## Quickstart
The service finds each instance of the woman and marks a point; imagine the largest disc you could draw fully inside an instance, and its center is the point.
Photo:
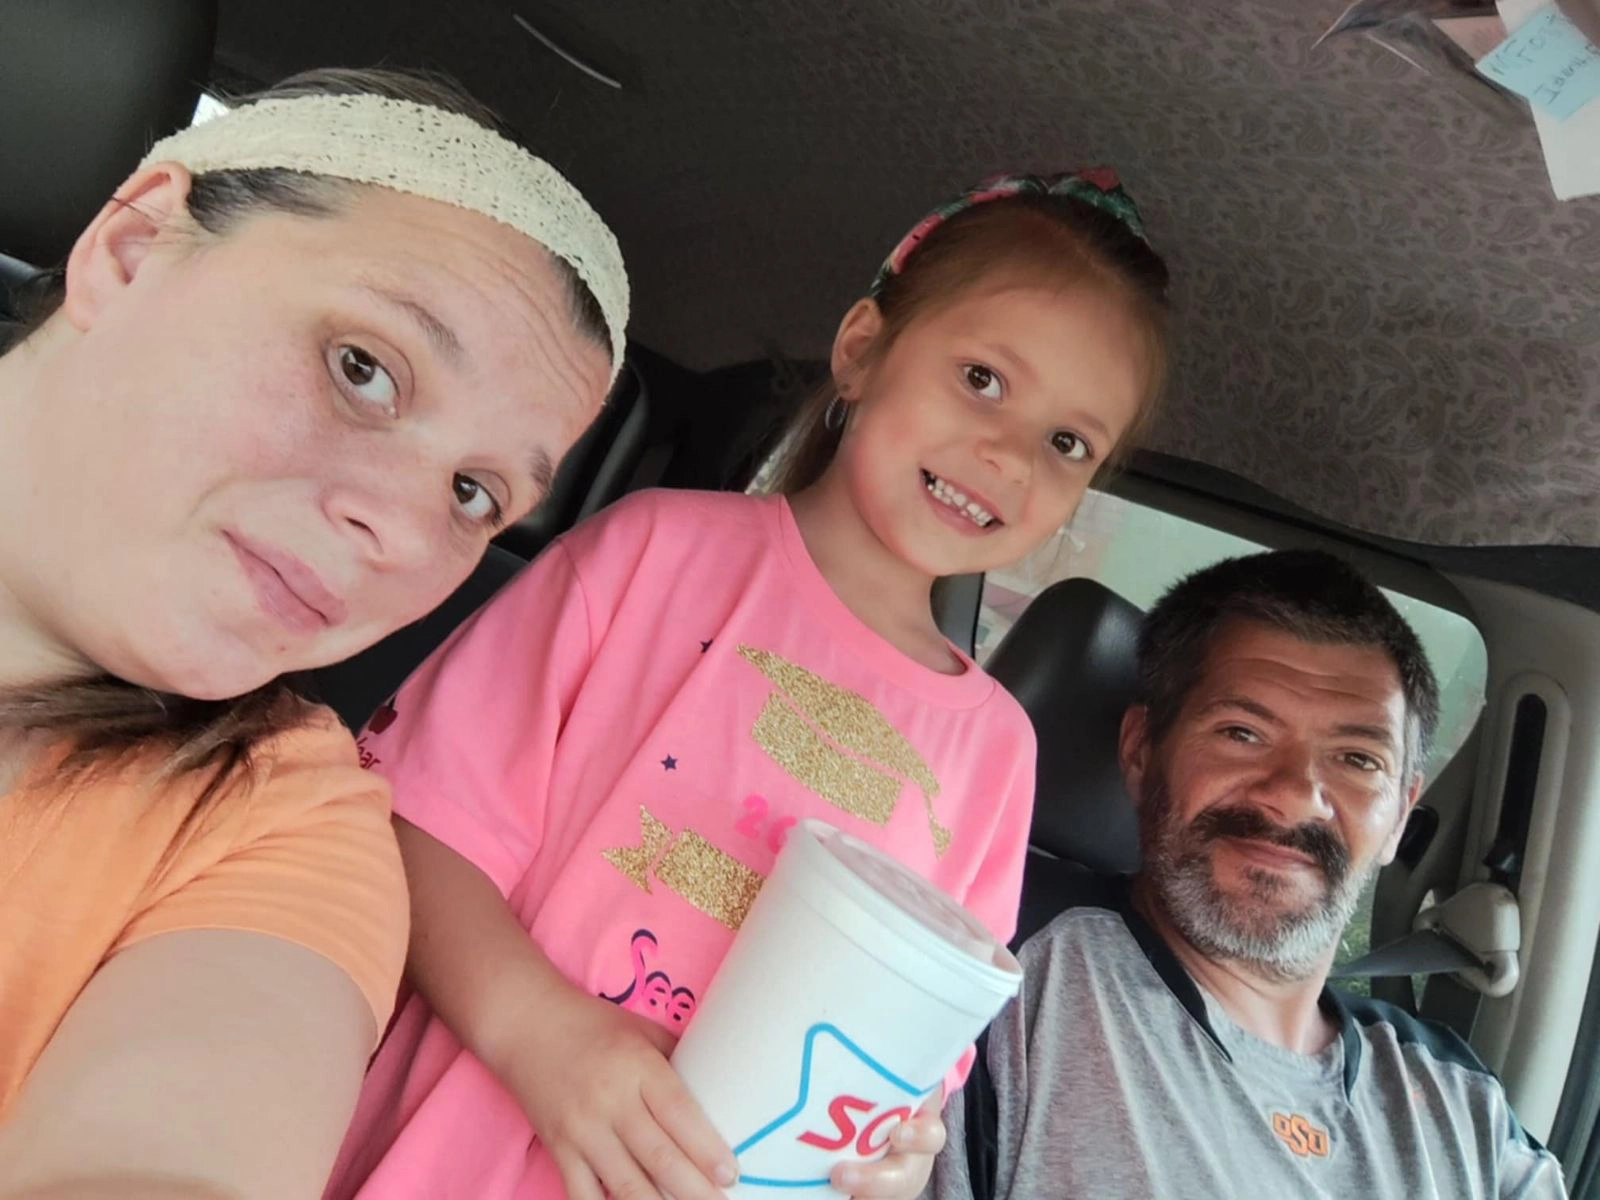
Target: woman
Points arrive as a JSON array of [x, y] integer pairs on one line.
[[297, 373]]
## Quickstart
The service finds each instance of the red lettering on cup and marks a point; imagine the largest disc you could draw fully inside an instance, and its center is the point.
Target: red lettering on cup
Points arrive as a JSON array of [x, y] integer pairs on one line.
[[866, 1146], [839, 1112]]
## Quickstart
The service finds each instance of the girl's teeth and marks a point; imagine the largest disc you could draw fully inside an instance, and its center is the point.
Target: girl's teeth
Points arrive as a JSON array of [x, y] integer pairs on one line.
[[956, 500]]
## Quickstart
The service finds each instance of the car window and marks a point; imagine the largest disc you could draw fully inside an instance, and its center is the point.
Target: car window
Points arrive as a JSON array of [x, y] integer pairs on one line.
[[1139, 552], [207, 107]]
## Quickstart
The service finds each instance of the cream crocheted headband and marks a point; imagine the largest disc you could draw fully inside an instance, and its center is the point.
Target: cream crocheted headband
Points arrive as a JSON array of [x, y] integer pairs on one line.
[[426, 152]]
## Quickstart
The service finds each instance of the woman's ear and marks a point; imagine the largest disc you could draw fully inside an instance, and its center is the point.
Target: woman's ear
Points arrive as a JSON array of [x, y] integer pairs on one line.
[[110, 252], [852, 345]]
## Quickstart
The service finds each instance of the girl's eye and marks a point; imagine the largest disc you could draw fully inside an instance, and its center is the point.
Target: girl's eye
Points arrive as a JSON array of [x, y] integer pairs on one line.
[[367, 378], [983, 381], [477, 501], [1070, 446]]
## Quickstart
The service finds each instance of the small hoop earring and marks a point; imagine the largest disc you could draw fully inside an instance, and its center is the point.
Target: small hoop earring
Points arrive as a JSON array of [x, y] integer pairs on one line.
[[833, 419]]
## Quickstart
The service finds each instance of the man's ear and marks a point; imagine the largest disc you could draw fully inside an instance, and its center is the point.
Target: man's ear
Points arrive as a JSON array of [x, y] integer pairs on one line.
[[108, 255], [1409, 801], [852, 345], [1133, 751]]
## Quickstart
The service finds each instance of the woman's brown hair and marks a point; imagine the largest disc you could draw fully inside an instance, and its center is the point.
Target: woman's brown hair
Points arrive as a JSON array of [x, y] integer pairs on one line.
[[1054, 240], [104, 717]]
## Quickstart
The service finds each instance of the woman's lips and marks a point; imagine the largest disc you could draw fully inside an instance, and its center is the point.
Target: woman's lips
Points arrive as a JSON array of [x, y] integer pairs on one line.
[[287, 588]]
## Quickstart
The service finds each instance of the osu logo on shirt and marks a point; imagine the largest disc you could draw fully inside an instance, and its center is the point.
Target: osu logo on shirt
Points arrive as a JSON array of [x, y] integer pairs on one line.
[[1303, 1138]]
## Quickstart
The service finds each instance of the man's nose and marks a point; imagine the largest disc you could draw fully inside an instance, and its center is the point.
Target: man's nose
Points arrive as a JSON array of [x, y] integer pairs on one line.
[[1291, 788]]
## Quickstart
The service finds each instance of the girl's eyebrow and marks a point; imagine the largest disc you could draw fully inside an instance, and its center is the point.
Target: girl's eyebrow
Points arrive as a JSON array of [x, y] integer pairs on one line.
[[1010, 359], [1087, 420]]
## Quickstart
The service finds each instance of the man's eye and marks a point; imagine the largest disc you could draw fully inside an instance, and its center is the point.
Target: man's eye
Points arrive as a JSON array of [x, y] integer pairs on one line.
[[1238, 733], [1363, 762], [984, 381], [365, 377]]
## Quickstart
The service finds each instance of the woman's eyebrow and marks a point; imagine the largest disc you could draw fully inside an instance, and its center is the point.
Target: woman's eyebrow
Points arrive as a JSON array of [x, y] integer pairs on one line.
[[543, 472], [444, 338]]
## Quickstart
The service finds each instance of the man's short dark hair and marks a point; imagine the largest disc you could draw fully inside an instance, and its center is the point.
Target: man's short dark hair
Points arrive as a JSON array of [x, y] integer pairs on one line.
[[1308, 594]]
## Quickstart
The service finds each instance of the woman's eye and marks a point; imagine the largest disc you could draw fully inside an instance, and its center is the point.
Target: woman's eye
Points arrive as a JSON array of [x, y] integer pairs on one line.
[[1070, 446], [983, 381], [369, 380], [477, 501]]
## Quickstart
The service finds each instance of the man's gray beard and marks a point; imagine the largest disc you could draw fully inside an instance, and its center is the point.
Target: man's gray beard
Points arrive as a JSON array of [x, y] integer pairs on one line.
[[1285, 946]]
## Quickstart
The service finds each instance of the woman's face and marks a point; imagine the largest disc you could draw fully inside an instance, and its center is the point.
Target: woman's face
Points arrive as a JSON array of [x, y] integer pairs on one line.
[[262, 453]]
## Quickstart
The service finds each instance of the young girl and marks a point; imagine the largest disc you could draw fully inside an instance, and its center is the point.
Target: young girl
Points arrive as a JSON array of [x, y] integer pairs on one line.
[[595, 774]]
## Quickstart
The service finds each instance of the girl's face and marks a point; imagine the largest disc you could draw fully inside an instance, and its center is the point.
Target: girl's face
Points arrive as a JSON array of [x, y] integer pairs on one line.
[[264, 453], [974, 437]]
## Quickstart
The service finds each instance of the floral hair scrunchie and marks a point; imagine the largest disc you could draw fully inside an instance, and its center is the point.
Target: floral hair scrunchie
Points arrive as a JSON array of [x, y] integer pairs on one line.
[[1098, 186]]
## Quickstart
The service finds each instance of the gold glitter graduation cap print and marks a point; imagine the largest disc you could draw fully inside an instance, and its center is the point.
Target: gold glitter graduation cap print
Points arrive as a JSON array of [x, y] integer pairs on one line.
[[837, 744]]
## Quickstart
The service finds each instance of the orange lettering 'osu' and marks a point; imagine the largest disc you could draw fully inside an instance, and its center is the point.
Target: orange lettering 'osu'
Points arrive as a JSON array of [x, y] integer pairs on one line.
[[1304, 1139]]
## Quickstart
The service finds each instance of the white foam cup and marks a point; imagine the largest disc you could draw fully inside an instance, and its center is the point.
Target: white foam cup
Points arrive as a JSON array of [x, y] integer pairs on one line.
[[851, 989]]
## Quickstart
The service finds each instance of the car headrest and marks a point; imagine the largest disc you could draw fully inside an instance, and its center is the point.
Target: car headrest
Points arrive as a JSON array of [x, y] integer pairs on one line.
[[597, 470], [1070, 660], [85, 87]]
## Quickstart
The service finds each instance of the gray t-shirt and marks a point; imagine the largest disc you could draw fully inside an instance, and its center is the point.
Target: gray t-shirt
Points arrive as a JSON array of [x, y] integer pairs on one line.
[[1114, 1075]]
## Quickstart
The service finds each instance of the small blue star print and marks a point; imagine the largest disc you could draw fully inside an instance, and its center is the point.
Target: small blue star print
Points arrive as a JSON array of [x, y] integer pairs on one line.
[[670, 763]]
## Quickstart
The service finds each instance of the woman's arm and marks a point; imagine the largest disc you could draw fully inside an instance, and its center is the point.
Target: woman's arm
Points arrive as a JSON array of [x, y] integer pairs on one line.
[[205, 1064]]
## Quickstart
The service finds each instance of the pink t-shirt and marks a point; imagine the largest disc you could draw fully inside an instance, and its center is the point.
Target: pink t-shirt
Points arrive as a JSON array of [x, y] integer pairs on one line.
[[620, 741]]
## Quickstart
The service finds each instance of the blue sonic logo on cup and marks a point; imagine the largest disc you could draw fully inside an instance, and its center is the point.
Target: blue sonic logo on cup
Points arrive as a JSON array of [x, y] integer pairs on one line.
[[847, 1106]]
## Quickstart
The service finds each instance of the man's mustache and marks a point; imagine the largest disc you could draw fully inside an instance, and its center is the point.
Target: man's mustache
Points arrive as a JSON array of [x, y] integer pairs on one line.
[[1317, 841]]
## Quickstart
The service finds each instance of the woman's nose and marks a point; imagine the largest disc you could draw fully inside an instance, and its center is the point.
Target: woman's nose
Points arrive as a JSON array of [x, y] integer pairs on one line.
[[392, 521]]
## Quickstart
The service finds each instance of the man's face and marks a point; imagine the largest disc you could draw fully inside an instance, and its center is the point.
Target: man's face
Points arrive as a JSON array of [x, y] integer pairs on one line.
[[1278, 792]]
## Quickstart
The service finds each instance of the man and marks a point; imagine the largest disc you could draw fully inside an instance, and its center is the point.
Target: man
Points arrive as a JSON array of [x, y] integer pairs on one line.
[[1175, 1036]]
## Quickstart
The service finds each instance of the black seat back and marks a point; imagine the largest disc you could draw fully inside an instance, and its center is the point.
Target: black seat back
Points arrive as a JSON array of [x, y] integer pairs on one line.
[[85, 87], [355, 687], [597, 470], [1070, 660]]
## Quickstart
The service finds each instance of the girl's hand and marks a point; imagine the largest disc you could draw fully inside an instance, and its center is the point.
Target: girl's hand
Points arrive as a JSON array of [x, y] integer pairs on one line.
[[904, 1172], [605, 1102]]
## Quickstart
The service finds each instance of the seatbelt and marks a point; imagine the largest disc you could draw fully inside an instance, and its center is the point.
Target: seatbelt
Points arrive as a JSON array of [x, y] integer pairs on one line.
[[983, 1124], [1420, 952], [1474, 936]]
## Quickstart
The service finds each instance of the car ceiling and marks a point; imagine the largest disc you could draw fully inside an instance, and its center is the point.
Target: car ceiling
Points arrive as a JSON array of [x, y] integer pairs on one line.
[[1383, 316]]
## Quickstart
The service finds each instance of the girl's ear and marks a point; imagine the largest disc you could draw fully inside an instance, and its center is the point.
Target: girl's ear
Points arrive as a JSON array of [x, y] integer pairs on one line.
[[109, 254], [852, 345]]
